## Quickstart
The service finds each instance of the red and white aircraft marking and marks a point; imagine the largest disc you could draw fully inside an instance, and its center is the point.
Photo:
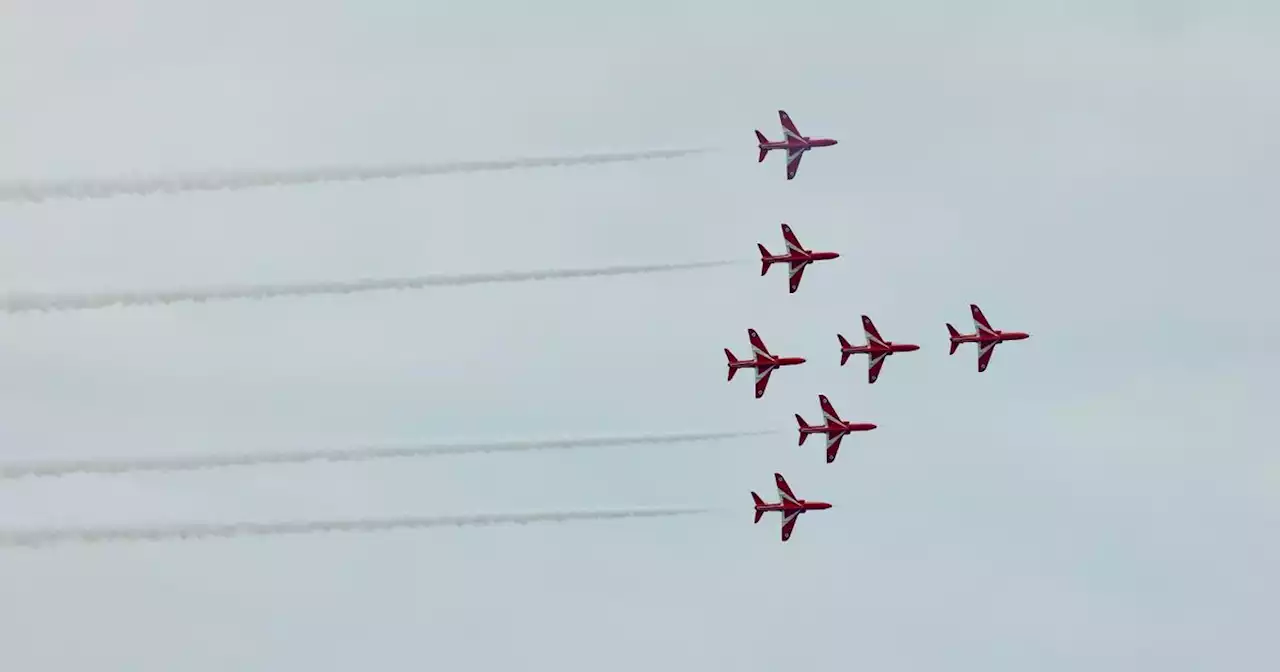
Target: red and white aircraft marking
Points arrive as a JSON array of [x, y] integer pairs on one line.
[[797, 257], [795, 144], [984, 335], [835, 428], [763, 362], [877, 348], [790, 506]]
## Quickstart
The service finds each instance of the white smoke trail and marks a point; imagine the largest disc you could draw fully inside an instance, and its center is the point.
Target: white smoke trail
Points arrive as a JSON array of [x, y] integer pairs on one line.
[[37, 191], [183, 531], [196, 462], [18, 303]]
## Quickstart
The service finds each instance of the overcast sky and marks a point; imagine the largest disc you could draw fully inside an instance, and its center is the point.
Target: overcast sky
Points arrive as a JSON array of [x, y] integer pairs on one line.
[[1104, 497]]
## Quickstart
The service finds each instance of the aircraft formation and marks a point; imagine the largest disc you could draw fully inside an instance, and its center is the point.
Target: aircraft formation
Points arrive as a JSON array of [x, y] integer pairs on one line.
[[797, 258]]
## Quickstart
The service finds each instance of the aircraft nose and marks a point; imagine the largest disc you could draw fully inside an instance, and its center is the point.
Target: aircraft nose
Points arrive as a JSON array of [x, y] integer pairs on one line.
[[872, 425]]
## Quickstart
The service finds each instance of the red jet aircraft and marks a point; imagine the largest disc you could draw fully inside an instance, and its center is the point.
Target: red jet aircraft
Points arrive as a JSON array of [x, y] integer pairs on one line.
[[795, 144], [797, 257], [788, 504], [764, 363], [984, 335], [835, 428], [877, 348]]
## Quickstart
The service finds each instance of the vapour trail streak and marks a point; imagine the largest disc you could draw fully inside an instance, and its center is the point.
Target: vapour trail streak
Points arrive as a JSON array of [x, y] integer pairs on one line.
[[195, 462], [17, 303], [183, 531], [42, 190]]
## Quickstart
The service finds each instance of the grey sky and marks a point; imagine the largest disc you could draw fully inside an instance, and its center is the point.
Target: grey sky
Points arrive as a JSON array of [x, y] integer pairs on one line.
[[1104, 497]]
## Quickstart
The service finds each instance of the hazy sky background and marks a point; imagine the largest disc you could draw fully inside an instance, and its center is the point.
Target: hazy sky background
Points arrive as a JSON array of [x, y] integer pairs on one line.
[[1102, 175]]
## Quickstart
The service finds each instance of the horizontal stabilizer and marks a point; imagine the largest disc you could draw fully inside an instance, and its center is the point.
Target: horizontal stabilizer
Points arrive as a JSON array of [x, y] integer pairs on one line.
[[844, 347], [803, 426]]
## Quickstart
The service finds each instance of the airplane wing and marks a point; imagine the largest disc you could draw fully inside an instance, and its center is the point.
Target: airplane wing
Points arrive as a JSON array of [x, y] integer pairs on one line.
[[828, 411], [784, 491], [757, 345], [797, 272], [789, 129], [789, 523], [874, 363], [793, 243], [832, 418], [980, 323], [793, 161], [762, 380], [873, 335], [985, 350], [833, 446]]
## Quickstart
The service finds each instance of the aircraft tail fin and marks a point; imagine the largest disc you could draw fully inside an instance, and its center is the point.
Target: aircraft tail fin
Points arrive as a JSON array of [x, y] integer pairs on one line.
[[763, 141], [764, 258], [732, 360], [954, 335], [803, 426], [759, 503], [844, 347]]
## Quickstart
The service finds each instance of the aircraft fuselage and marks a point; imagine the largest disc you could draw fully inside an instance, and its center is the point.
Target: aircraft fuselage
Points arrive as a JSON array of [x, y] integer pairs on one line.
[[839, 429], [768, 363], [807, 144], [802, 505], [999, 337], [888, 348], [807, 257]]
